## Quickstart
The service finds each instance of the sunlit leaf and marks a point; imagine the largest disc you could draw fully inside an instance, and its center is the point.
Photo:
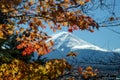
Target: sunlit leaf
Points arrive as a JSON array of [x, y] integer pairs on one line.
[[5, 10], [73, 54], [82, 3]]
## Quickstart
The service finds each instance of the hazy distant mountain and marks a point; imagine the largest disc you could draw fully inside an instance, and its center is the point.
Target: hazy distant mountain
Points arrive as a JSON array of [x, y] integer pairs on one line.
[[86, 53]]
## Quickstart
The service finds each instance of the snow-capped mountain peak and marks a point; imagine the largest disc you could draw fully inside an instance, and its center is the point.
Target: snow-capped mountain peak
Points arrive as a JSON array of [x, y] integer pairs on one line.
[[86, 52], [70, 40]]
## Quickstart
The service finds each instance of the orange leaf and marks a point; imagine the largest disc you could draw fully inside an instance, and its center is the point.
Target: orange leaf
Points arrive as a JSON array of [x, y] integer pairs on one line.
[[52, 43], [54, 30], [23, 53], [73, 54], [35, 19], [91, 30], [59, 28], [39, 23], [87, 1]]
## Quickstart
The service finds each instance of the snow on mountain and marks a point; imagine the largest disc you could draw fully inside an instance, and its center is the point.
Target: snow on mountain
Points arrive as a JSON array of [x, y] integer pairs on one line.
[[117, 50], [86, 52], [68, 39]]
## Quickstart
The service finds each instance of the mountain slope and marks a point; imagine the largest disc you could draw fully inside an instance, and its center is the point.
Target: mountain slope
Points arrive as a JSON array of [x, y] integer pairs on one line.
[[86, 53], [117, 50], [69, 40]]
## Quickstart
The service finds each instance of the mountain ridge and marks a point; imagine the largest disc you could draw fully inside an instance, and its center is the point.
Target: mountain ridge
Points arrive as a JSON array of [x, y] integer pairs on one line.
[[86, 52], [79, 42]]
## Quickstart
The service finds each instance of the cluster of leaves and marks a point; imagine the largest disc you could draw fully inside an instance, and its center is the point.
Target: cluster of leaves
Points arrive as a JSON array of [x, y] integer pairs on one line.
[[35, 42], [72, 54], [7, 55], [17, 70], [88, 73], [6, 30], [7, 7], [9, 52], [5, 58]]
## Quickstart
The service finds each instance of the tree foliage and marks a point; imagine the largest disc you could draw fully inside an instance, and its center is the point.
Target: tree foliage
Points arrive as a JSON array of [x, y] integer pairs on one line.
[[88, 73], [17, 70], [22, 27], [35, 15]]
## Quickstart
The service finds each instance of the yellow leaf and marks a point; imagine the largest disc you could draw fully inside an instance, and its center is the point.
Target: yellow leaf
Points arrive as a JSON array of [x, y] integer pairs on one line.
[[15, 11], [5, 10], [65, 23], [2, 6], [30, 3], [39, 23], [73, 54], [49, 23], [89, 68], [26, 7], [82, 3], [21, 30], [10, 32], [11, 9], [66, 1], [1, 35], [18, 39], [17, 32]]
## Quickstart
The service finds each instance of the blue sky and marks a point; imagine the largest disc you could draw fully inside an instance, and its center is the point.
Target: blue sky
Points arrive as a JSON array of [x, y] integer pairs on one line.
[[103, 37]]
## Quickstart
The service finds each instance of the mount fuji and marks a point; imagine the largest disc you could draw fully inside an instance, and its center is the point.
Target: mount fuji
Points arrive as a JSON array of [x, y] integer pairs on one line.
[[86, 52]]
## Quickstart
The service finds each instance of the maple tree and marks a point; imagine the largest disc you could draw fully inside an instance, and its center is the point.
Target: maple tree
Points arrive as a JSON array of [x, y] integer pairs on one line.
[[35, 14], [27, 21], [17, 70], [88, 72]]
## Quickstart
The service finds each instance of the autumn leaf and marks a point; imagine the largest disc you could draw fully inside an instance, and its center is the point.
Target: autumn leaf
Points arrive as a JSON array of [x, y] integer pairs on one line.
[[80, 70], [1, 35], [87, 1], [82, 3], [5, 10], [70, 30], [35, 19], [39, 23], [72, 54]]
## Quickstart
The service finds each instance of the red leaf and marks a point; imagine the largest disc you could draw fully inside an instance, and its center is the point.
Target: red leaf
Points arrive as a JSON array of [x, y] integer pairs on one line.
[[80, 70], [70, 29], [91, 30]]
